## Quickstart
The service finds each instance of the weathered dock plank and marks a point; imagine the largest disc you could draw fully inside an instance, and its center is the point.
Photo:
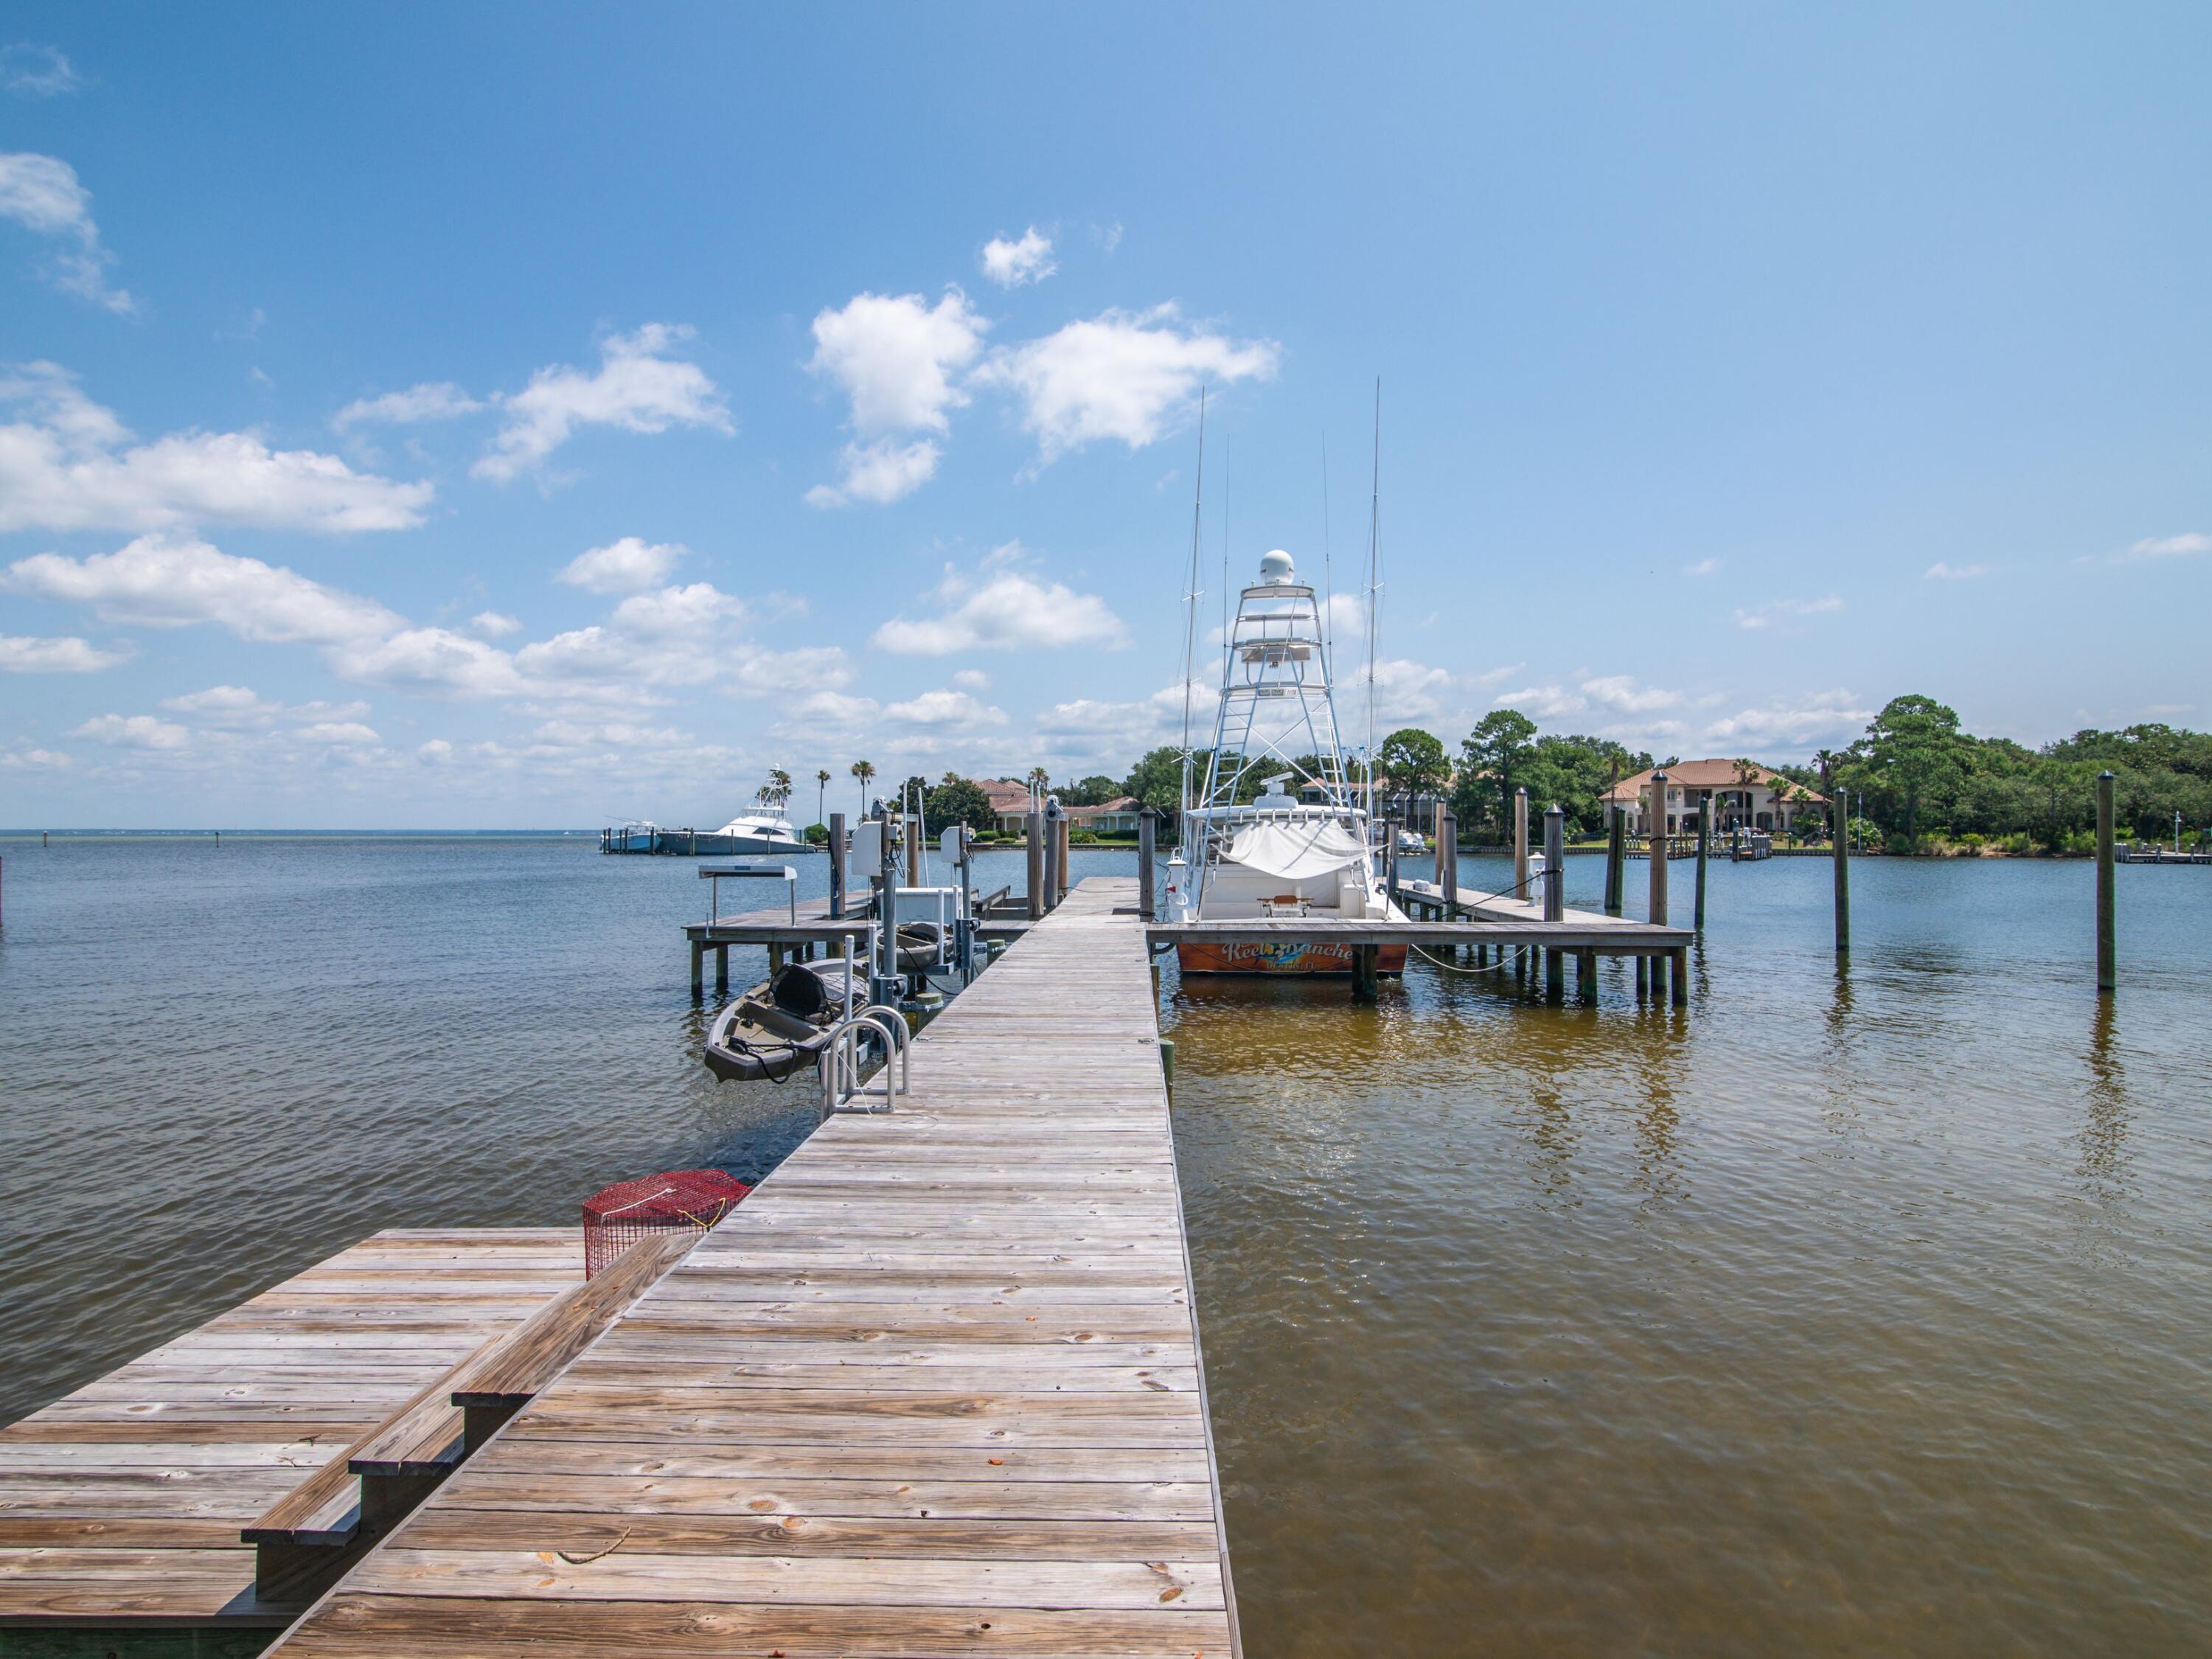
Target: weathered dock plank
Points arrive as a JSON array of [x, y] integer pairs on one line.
[[933, 1389], [121, 1504]]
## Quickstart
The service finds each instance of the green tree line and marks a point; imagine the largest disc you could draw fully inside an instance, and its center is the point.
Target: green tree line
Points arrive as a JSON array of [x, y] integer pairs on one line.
[[1918, 778], [1925, 780]]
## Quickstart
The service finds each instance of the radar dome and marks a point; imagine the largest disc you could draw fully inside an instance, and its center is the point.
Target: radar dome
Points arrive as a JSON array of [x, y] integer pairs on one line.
[[1275, 567]]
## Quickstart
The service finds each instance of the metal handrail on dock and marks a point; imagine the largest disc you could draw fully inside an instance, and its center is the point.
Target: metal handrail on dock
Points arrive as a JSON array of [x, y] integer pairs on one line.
[[840, 1063]]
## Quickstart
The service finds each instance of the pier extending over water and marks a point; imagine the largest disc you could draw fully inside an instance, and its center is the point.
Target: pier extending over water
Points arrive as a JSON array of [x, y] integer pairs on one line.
[[935, 1387]]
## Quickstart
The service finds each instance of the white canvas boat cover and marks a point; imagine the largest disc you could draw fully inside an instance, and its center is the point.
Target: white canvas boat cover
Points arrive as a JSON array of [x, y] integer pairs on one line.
[[1297, 852]]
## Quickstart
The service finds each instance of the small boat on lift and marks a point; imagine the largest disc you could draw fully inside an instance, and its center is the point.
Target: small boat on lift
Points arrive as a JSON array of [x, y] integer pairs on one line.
[[782, 1024]]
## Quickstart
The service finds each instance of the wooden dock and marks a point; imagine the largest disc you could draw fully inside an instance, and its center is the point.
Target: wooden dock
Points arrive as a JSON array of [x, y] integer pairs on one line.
[[1512, 929], [121, 1506], [812, 930], [933, 1389]]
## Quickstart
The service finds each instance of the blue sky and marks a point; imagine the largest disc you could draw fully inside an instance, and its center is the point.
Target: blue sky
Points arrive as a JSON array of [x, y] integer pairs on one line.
[[502, 415]]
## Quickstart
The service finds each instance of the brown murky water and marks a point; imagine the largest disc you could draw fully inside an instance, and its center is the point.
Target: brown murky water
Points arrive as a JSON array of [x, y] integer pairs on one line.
[[1857, 1315], [1842, 1314]]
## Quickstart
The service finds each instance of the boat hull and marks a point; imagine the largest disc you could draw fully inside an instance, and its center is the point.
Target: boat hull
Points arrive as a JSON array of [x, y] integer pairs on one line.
[[1294, 957]]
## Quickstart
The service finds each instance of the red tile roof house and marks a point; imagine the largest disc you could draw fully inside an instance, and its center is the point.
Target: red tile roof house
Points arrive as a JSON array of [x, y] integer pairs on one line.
[[1010, 799], [1753, 805]]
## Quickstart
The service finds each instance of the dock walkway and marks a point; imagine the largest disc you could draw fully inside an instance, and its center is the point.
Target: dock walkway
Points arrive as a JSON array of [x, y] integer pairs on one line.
[[933, 1389]]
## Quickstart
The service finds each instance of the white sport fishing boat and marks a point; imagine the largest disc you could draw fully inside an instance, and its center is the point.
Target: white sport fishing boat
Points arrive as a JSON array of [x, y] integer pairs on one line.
[[1305, 845], [757, 832]]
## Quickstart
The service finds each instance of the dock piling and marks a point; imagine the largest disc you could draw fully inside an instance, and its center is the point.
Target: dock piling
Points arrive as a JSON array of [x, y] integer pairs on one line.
[[1840, 828], [1658, 840], [1586, 976], [1520, 843], [1705, 836], [698, 972], [1051, 874], [836, 865], [2108, 949], [1059, 857], [1366, 980], [1616, 858], [1555, 898], [1147, 832], [1033, 835]]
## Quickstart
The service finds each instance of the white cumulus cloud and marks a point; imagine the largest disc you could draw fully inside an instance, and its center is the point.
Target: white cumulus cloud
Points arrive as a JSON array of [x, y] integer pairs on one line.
[[433, 400], [1010, 262], [434, 661], [495, 624], [1940, 572], [158, 581], [896, 358], [68, 464], [1127, 375], [1004, 610], [638, 387], [944, 708], [880, 473], [1821, 717], [42, 194], [20, 654], [622, 566], [134, 731]]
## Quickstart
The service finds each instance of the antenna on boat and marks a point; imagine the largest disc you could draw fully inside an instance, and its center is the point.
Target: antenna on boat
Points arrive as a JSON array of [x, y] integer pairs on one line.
[[1191, 597], [1328, 571], [1374, 587], [1224, 553]]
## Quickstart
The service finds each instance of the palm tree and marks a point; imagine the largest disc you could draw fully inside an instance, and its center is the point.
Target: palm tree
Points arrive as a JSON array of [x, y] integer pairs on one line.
[[1040, 778], [779, 782], [821, 792], [1746, 777], [864, 770]]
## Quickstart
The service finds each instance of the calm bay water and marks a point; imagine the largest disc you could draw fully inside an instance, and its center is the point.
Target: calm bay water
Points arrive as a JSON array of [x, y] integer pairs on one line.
[[1843, 1314]]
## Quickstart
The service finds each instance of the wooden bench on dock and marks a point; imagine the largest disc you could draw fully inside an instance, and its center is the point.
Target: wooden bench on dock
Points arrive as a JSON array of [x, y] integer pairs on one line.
[[122, 1504], [305, 1540]]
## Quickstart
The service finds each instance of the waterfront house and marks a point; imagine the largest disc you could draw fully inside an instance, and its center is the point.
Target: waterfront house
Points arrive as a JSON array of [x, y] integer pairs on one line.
[[1742, 793], [1010, 804]]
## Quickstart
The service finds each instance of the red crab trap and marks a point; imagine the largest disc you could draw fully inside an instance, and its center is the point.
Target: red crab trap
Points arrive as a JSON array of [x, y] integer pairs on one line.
[[617, 1217]]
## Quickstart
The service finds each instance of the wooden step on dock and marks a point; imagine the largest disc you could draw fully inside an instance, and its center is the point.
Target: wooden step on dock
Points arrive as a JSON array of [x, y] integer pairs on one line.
[[122, 1505], [934, 1388]]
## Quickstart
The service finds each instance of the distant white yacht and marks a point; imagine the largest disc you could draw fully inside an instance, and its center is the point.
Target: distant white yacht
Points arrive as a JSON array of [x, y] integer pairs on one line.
[[759, 832]]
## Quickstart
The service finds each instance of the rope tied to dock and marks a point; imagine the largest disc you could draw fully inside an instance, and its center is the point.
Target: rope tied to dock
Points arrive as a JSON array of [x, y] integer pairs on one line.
[[1455, 968]]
